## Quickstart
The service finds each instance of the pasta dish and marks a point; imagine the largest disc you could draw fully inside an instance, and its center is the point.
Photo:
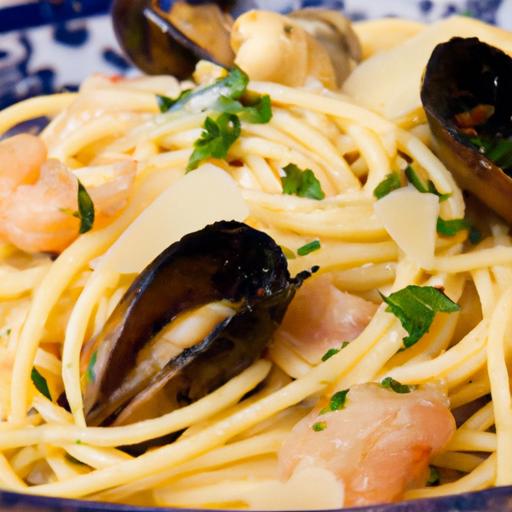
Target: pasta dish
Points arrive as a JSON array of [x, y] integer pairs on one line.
[[279, 283]]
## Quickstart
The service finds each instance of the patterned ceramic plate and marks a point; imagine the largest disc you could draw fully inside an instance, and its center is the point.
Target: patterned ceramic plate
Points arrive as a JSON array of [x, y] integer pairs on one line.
[[51, 45]]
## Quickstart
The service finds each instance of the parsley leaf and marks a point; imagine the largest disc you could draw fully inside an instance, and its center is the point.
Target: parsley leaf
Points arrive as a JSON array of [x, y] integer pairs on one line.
[[337, 402], [333, 351], [451, 227], [165, 103], [319, 426], [418, 184], [434, 478], [388, 184], [259, 112], [91, 373], [416, 307], [216, 139], [498, 151], [301, 183], [394, 385], [40, 383], [232, 86], [85, 209], [308, 248], [474, 235]]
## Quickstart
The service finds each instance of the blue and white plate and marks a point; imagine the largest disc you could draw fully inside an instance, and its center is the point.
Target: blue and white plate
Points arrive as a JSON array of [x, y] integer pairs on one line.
[[52, 45]]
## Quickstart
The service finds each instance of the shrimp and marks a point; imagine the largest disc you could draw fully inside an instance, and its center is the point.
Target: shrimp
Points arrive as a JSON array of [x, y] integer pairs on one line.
[[378, 445], [321, 317], [39, 196], [21, 158]]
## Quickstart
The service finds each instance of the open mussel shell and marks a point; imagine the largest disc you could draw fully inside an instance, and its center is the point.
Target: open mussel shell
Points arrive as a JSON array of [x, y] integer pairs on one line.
[[335, 32], [170, 37], [466, 96], [129, 377]]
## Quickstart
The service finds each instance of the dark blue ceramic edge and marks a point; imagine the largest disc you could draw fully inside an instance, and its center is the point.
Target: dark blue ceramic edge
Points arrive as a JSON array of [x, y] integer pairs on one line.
[[498, 499]]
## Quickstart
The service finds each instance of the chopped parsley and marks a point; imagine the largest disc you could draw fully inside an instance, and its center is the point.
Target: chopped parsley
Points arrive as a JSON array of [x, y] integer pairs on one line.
[[216, 139], [451, 227], [388, 184], [498, 150], [333, 351], [418, 184], [91, 373], [290, 255], [319, 426], [337, 402], [40, 383], [258, 112], [85, 209], [301, 183], [475, 236], [309, 248], [165, 103], [434, 478], [416, 307], [394, 385]]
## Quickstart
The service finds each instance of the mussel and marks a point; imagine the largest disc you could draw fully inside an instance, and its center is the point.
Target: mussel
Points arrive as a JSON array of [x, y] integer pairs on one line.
[[197, 316], [466, 96], [170, 37]]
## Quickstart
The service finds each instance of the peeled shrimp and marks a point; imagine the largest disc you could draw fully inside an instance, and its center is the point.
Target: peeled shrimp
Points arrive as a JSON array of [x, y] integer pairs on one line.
[[378, 446], [321, 317], [38, 196]]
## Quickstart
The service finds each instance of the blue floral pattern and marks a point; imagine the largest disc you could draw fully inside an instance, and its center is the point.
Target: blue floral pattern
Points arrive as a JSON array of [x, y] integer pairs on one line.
[[48, 46]]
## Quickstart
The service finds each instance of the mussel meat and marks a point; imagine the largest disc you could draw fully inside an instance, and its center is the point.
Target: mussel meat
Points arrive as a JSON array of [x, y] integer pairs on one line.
[[466, 96], [197, 316]]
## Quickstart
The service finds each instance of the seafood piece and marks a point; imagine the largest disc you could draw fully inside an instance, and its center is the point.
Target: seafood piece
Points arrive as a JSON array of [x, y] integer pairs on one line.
[[321, 317], [466, 95], [39, 197], [170, 42], [268, 46], [197, 316], [378, 443], [21, 158]]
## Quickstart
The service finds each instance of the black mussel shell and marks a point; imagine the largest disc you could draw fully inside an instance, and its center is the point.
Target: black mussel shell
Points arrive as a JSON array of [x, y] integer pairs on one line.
[[227, 261], [466, 94], [170, 37]]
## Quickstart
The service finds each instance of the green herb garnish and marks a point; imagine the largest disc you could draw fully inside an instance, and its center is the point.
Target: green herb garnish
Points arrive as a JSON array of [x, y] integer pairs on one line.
[[319, 426], [40, 383], [309, 248], [388, 184], [475, 236], [216, 139], [499, 151], [333, 351], [165, 103], [85, 209], [451, 227], [394, 385], [301, 183], [434, 478], [91, 373], [259, 112], [418, 184], [416, 307], [337, 402]]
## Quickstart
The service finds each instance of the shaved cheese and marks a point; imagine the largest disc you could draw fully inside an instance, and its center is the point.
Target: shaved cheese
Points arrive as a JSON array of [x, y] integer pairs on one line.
[[200, 198], [399, 71], [410, 218], [308, 489]]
